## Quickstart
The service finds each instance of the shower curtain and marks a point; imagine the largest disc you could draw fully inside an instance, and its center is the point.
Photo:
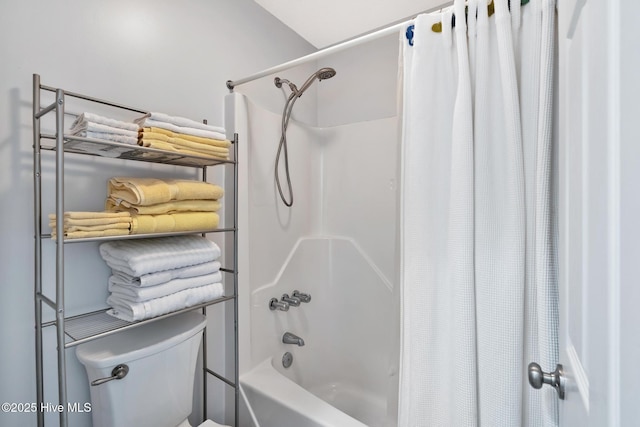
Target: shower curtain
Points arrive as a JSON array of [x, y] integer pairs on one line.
[[478, 258]]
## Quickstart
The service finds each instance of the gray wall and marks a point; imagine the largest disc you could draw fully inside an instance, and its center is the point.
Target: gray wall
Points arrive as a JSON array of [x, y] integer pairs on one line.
[[158, 55]]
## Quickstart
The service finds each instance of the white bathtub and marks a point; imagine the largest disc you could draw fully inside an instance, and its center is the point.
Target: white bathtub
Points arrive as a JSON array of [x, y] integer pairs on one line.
[[276, 401], [344, 375]]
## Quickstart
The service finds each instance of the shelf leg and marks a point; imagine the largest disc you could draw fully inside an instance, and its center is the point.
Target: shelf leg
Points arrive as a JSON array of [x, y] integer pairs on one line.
[[62, 365], [37, 214]]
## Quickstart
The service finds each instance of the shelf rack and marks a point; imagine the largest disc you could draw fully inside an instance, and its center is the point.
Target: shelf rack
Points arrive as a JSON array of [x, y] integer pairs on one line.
[[74, 330]]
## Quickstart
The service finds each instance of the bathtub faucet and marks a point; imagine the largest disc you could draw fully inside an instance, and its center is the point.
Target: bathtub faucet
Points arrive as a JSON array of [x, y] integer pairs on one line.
[[302, 297], [289, 338]]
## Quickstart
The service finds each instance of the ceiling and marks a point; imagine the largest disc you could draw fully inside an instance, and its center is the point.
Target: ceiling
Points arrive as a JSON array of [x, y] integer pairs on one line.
[[326, 22]]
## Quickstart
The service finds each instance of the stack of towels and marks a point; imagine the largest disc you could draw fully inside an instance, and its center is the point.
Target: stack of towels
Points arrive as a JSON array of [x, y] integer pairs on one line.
[[160, 206], [92, 224], [182, 135], [89, 125], [152, 277]]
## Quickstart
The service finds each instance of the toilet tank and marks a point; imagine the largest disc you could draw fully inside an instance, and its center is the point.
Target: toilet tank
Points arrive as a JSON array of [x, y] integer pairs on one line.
[[158, 389]]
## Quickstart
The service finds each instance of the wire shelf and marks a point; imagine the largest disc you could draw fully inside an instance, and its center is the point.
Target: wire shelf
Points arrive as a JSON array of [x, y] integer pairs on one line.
[[116, 150], [98, 324]]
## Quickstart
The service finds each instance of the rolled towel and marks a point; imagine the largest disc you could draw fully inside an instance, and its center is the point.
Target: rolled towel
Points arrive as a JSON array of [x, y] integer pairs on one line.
[[179, 221], [95, 118], [160, 277], [144, 256], [135, 311], [114, 205], [151, 191], [145, 293]]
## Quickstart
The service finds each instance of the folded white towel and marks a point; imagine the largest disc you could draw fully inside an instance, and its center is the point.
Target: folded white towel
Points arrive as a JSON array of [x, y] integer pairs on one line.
[[95, 118], [139, 294], [182, 122], [135, 311], [97, 127], [138, 257], [159, 277], [115, 137], [148, 122]]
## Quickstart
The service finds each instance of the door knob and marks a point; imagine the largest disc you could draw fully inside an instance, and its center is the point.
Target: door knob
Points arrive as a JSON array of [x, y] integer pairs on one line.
[[556, 379]]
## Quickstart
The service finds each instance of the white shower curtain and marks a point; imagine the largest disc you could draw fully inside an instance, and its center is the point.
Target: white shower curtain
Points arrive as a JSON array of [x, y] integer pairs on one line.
[[478, 266]]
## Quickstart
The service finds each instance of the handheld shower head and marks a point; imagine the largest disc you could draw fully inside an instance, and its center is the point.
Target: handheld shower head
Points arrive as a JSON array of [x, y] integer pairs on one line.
[[321, 74], [326, 73]]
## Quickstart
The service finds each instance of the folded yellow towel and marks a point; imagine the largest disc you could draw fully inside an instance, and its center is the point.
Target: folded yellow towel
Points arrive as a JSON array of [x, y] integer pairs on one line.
[[90, 215], [163, 208], [183, 143], [167, 146], [176, 144], [86, 234], [92, 224], [69, 222], [118, 225], [151, 191], [208, 141], [182, 221]]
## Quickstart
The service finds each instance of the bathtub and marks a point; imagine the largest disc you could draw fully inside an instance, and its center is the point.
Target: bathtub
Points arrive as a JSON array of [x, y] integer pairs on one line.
[[278, 401], [345, 374]]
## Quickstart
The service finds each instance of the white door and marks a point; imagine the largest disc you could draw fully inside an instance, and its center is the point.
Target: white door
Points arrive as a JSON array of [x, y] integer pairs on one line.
[[589, 210]]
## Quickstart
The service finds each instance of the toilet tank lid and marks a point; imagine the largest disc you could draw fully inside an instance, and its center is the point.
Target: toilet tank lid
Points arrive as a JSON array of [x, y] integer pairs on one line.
[[142, 341]]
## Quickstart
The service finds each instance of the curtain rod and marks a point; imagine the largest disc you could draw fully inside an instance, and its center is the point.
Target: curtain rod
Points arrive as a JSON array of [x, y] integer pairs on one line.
[[231, 84]]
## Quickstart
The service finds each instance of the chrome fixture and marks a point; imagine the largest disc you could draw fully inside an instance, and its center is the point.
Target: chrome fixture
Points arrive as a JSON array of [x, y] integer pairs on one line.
[[118, 373], [556, 379], [302, 297], [289, 338], [274, 304], [287, 359], [292, 301], [321, 74]]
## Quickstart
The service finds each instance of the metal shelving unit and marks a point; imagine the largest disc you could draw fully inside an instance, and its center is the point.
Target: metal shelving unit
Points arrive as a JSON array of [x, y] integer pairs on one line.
[[74, 330]]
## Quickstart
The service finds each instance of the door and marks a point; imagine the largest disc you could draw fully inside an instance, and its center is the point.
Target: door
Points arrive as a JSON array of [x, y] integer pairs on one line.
[[589, 210]]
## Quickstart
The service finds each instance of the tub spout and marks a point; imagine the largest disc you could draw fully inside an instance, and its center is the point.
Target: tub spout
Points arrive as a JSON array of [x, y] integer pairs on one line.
[[289, 338]]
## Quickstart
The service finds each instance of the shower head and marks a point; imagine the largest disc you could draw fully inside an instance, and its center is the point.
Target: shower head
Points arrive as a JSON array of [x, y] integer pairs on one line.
[[321, 74], [325, 73]]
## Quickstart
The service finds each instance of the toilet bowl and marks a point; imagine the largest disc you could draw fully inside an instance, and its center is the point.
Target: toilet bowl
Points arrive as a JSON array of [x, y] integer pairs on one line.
[[157, 389]]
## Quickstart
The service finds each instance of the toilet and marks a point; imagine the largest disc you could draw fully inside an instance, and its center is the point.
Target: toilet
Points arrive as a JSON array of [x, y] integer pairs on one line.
[[157, 390]]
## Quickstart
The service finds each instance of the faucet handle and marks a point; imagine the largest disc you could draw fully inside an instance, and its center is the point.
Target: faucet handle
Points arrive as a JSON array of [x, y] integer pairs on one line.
[[274, 304], [302, 297], [292, 301]]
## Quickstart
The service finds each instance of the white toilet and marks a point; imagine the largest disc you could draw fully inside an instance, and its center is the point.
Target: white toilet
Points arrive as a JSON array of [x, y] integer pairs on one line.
[[157, 390]]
